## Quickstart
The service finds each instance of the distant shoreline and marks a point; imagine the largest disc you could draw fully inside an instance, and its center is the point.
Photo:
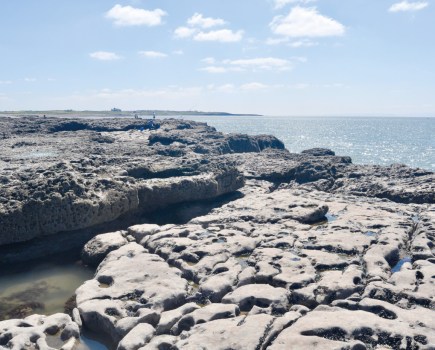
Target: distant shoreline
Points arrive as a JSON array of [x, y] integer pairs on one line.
[[120, 113]]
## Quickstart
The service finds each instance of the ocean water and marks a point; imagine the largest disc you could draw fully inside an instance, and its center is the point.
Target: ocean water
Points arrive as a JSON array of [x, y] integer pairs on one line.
[[383, 141]]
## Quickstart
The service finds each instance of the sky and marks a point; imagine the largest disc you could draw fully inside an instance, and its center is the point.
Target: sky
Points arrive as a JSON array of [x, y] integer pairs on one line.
[[273, 57]]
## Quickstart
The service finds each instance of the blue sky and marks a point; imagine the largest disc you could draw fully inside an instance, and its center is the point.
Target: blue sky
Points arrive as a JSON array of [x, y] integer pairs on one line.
[[276, 57]]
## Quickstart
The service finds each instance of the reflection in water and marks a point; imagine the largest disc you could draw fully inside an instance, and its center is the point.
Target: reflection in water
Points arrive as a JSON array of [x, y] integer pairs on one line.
[[401, 262], [46, 288], [88, 342], [42, 288]]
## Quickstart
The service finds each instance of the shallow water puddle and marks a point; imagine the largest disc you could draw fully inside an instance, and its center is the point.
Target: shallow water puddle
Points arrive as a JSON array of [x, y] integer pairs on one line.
[[328, 218], [42, 288], [331, 217], [370, 233], [401, 262], [87, 342], [243, 260]]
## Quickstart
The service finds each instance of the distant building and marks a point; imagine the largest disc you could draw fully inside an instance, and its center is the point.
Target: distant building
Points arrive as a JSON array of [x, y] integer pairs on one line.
[[116, 110]]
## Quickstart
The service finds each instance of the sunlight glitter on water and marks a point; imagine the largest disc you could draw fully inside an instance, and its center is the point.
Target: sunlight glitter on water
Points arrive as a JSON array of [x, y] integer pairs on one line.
[[373, 140]]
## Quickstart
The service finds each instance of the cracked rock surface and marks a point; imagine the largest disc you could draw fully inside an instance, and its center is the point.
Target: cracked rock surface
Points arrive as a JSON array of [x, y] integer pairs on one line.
[[315, 253], [257, 276]]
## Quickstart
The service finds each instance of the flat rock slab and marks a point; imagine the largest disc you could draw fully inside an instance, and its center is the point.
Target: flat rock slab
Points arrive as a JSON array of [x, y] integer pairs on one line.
[[131, 286], [262, 295], [251, 275], [239, 333], [335, 328]]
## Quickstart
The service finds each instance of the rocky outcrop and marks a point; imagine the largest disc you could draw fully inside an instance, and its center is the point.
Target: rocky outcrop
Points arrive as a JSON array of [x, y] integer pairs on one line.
[[67, 175], [257, 275], [321, 170], [314, 253]]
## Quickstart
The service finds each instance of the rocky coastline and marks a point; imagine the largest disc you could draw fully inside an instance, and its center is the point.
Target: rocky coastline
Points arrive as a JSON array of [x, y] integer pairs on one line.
[[204, 240]]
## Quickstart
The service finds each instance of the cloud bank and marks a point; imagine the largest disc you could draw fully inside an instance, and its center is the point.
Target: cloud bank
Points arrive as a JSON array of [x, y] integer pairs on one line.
[[130, 16]]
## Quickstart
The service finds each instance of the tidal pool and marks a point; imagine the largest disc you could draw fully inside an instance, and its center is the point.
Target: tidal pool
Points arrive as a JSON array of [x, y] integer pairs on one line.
[[42, 288], [400, 263]]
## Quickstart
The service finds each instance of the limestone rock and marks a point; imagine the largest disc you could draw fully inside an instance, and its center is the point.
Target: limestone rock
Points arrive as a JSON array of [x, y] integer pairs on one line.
[[262, 295], [39, 332], [97, 248], [137, 337], [131, 286]]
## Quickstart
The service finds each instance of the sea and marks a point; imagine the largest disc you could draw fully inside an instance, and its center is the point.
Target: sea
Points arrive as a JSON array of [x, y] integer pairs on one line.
[[368, 140]]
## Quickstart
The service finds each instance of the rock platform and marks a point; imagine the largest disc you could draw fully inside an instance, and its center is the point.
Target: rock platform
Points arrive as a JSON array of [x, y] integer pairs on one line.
[[313, 253]]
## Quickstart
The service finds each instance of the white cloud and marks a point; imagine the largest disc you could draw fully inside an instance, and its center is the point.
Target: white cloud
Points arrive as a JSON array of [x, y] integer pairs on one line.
[[295, 44], [104, 56], [214, 69], [262, 63], [254, 86], [281, 3], [184, 32], [306, 22], [303, 43], [152, 54], [30, 80], [406, 6], [130, 16], [227, 88], [250, 64], [198, 20], [303, 86], [178, 52], [198, 25], [222, 35], [5, 82]]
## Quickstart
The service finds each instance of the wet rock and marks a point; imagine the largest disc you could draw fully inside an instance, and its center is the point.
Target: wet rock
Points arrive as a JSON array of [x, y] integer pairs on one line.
[[319, 152]]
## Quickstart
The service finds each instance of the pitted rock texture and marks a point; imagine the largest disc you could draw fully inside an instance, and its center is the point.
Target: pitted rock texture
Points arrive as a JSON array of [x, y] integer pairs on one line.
[[256, 276], [130, 287], [315, 252], [39, 332], [60, 175], [321, 170]]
